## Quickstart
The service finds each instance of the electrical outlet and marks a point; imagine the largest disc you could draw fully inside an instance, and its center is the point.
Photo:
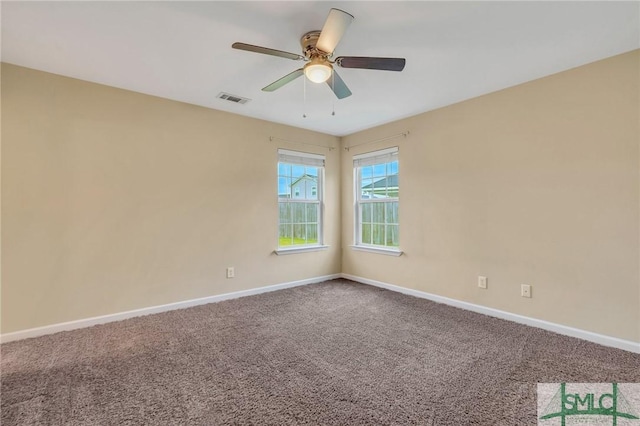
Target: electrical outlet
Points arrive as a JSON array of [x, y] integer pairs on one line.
[[482, 282], [525, 290], [231, 272]]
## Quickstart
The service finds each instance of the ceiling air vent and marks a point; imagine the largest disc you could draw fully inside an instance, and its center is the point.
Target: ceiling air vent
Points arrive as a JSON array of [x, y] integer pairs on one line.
[[232, 98]]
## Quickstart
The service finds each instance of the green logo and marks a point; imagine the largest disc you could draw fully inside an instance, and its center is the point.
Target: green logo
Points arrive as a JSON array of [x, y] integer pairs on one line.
[[584, 401]]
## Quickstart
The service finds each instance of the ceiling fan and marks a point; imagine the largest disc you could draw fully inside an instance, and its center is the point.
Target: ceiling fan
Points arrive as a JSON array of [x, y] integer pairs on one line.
[[317, 49]]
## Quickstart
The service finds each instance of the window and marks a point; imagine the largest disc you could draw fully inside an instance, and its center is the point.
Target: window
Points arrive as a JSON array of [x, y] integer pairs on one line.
[[299, 199], [377, 191]]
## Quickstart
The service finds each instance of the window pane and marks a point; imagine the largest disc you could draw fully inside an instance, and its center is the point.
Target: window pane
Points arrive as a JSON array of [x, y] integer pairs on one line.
[[312, 171], [285, 235], [380, 188], [378, 234], [304, 225], [366, 213], [394, 185], [378, 212], [366, 172], [299, 234], [284, 187], [392, 235], [285, 213], [392, 168], [284, 169], [367, 184], [312, 234], [299, 212], [297, 171], [367, 189], [312, 212], [311, 186], [366, 233], [303, 188], [391, 212], [379, 170]]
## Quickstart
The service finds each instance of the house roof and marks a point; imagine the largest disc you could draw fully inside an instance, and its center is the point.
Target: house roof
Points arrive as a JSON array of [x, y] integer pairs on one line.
[[386, 182], [305, 176]]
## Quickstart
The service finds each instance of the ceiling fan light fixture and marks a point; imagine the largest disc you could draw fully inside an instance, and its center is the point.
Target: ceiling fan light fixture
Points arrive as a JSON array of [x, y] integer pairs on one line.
[[318, 70], [317, 48]]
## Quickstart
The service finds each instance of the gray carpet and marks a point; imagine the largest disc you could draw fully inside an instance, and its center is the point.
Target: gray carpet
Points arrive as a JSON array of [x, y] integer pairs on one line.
[[336, 353]]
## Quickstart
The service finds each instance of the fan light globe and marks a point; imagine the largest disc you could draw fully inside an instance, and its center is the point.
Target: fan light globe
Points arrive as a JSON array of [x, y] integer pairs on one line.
[[317, 71]]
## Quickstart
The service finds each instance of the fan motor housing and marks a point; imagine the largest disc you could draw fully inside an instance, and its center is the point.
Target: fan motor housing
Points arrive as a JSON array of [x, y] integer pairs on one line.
[[308, 43]]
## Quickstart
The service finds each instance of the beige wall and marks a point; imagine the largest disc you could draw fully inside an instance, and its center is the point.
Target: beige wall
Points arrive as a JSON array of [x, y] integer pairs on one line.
[[113, 200], [536, 184]]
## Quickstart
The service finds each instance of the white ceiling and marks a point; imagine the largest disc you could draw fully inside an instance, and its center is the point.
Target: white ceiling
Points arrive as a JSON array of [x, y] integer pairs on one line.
[[182, 50]]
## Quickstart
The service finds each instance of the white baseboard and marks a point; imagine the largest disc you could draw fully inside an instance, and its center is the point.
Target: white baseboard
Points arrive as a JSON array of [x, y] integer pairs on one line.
[[601, 339], [88, 322], [546, 325]]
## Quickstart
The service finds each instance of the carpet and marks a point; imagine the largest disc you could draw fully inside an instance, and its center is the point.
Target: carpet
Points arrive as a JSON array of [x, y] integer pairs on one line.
[[334, 353]]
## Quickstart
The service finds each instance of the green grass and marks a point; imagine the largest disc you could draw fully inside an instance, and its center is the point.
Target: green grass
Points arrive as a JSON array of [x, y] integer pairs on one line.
[[285, 241]]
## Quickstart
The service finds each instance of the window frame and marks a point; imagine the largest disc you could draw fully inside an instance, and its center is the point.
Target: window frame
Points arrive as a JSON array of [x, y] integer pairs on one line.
[[298, 158], [373, 158]]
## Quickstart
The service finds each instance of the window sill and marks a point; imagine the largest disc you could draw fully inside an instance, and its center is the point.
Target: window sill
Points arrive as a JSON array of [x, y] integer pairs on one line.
[[379, 250], [283, 251]]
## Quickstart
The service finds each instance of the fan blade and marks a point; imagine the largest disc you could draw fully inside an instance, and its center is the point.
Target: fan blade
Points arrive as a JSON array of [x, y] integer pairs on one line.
[[284, 80], [334, 28], [337, 85], [386, 64], [266, 51]]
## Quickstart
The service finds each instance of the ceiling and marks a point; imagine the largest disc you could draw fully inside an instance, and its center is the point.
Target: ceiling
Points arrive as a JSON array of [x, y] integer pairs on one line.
[[182, 51]]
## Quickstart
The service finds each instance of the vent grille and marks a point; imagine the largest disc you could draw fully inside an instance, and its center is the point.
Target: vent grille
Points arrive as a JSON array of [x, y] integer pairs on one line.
[[232, 98]]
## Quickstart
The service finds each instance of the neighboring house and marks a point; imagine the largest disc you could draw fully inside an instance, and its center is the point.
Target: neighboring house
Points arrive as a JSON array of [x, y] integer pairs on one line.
[[305, 184], [384, 187]]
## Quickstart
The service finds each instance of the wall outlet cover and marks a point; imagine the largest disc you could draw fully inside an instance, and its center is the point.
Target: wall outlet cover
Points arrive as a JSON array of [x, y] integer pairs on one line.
[[482, 282]]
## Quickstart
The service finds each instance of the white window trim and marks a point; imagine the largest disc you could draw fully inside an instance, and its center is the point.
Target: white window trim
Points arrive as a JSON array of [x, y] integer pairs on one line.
[[377, 249], [313, 160], [374, 157], [300, 249], [362, 160], [302, 158]]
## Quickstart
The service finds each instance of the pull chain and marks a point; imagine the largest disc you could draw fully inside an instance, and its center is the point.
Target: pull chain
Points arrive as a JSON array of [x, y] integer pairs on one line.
[[333, 86], [304, 96]]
